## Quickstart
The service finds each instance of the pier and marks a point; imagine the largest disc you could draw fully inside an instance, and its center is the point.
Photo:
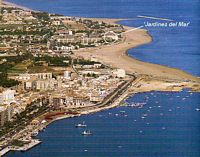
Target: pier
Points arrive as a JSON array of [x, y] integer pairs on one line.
[[26, 147]]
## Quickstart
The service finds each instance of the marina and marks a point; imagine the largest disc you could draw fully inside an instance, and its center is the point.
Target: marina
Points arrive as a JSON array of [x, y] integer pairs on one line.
[[169, 128]]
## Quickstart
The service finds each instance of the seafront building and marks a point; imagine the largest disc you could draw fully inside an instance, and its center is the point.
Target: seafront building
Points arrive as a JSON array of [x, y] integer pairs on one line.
[[6, 113], [7, 96], [120, 73]]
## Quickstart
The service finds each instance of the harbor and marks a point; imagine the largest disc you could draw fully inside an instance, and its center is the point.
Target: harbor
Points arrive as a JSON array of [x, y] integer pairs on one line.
[[26, 147], [124, 124]]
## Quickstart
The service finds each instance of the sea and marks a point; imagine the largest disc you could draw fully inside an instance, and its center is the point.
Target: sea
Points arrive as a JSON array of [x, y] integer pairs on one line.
[[169, 124]]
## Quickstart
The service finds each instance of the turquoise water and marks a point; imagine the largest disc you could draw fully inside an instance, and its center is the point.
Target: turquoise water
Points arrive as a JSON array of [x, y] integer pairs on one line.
[[171, 128]]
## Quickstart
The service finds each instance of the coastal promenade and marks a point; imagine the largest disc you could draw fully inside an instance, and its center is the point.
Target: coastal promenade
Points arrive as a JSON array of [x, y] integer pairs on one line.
[[110, 101]]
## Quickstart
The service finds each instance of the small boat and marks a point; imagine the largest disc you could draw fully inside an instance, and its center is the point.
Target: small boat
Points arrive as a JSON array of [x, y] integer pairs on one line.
[[145, 115], [81, 125], [161, 114], [197, 109], [139, 105], [86, 132], [122, 111], [146, 97]]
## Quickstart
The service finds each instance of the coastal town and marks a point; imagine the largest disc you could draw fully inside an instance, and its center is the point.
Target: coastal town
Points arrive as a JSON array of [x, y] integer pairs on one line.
[[41, 79], [44, 76]]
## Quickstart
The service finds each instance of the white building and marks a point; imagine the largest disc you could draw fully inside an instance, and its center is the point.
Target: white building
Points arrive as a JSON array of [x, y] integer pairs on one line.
[[70, 32], [56, 22], [67, 75], [43, 76], [6, 113], [7, 96], [50, 84], [120, 73]]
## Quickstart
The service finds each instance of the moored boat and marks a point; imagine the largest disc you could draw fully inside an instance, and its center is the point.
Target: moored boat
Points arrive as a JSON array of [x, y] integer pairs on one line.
[[86, 132], [81, 125]]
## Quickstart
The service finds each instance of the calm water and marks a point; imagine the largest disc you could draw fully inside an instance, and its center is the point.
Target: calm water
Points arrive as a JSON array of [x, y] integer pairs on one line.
[[171, 127], [174, 47]]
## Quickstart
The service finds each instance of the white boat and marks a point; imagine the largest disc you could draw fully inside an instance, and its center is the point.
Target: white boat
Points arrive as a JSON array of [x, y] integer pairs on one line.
[[81, 125], [145, 115], [197, 109], [161, 114], [86, 132], [122, 111], [139, 105]]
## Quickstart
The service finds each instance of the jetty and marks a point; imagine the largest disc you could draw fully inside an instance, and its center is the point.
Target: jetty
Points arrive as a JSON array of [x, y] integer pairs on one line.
[[26, 147]]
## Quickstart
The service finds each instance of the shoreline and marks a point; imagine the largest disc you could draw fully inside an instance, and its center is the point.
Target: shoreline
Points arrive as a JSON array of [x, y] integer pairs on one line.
[[135, 88], [116, 55], [155, 70], [13, 5]]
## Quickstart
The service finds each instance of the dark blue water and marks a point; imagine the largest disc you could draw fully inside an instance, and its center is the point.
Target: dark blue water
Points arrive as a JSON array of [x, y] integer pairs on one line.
[[171, 128]]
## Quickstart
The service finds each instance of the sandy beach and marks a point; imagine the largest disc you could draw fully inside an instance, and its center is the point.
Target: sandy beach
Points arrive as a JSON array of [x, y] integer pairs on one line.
[[116, 56]]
